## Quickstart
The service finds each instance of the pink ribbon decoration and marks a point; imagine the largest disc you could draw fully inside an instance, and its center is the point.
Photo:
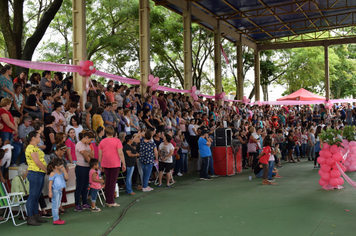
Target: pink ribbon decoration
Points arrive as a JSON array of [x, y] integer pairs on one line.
[[328, 104], [153, 82], [258, 103], [245, 100], [224, 54], [194, 93], [347, 178], [220, 96]]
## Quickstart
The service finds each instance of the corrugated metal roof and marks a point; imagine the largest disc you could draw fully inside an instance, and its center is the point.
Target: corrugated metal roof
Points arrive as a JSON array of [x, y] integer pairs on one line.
[[261, 20]]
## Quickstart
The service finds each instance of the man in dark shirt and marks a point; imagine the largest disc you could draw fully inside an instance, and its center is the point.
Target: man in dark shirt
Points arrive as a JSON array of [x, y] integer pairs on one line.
[[162, 103]]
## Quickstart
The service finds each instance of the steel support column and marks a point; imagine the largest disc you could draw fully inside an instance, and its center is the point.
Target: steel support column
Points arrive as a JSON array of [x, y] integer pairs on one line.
[[144, 16], [327, 79], [79, 46], [217, 60], [187, 46], [257, 75], [240, 80]]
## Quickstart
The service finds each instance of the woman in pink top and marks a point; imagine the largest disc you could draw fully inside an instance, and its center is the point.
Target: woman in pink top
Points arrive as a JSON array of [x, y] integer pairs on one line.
[[60, 122], [70, 143], [111, 158]]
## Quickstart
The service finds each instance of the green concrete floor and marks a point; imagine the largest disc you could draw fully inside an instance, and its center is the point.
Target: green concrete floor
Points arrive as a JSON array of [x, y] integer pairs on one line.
[[224, 206]]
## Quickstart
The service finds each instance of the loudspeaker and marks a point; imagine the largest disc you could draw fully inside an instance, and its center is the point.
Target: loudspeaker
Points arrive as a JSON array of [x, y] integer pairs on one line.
[[223, 137]]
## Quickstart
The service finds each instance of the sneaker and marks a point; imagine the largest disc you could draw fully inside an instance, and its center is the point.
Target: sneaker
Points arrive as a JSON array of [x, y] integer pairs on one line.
[[86, 207], [279, 166], [215, 176], [59, 222], [271, 180], [145, 190], [316, 167], [149, 188], [96, 209], [180, 174], [201, 178], [47, 215], [78, 208], [209, 178]]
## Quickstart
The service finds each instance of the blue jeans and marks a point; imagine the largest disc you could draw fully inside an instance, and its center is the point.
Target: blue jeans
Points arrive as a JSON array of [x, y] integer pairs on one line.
[[129, 172], [296, 151], [93, 194], [6, 136], [204, 167], [36, 180], [270, 169], [184, 162], [304, 149], [56, 203], [147, 169], [349, 120], [282, 151], [211, 165], [82, 176], [259, 175], [16, 153], [311, 153]]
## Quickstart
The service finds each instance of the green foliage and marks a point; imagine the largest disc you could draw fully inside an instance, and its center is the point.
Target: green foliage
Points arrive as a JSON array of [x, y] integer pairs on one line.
[[349, 133], [330, 137]]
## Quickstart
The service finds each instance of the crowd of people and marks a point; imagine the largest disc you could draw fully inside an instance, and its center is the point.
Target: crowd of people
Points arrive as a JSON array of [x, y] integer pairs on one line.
[[145, 137]]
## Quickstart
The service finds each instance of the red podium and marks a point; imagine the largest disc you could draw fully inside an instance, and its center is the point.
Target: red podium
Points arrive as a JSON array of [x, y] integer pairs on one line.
[[225, 162]]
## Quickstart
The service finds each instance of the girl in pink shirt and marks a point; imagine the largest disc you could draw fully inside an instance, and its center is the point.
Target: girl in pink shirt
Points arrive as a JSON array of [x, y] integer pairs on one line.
[[70, 143]]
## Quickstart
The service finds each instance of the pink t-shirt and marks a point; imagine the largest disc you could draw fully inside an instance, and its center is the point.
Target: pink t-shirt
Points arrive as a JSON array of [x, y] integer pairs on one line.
[[110, 158], [93, 184], [70, 144], [80, 158]]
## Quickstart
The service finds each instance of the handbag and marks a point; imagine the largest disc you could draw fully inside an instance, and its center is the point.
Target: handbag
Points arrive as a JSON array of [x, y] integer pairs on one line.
[[251, 147]]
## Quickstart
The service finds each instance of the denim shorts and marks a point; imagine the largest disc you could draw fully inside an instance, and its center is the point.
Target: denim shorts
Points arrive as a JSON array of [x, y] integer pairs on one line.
[[93, 194]]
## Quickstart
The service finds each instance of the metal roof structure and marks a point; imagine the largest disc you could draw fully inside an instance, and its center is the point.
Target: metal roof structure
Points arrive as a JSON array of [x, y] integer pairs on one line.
[[273, 21]]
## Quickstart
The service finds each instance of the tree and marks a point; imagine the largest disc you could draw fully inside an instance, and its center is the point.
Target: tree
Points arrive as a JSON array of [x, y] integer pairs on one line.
[[12, 28]]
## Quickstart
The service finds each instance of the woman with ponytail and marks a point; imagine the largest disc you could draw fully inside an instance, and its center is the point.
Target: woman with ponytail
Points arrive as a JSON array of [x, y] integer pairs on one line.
[[37, 169]]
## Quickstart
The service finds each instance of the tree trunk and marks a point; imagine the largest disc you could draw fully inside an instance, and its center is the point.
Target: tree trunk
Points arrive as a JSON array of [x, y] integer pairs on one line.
[[265, 92], [252, 93]]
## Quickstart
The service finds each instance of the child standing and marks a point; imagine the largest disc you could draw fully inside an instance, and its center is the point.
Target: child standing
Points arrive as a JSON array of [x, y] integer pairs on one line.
[[95, 183], [278, 155], [57, 176], [263, 159]]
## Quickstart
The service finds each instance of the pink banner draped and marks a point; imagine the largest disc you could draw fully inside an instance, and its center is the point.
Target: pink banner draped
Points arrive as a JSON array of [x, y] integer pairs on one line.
[[347, 178], [74, 68]]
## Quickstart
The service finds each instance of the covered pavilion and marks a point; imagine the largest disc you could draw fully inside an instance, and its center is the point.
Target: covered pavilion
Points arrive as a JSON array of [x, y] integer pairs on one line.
[[260, 25]]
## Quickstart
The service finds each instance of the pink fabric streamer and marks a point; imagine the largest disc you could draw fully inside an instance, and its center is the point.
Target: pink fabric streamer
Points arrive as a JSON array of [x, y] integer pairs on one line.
[[347, 178], [74, 68], [224, 54]]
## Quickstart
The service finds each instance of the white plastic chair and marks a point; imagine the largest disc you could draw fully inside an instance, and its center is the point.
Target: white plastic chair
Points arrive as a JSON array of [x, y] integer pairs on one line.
[[10, 200]]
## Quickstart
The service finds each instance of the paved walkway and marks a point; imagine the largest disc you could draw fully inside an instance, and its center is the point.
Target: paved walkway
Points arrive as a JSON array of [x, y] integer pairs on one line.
[[224, 206]]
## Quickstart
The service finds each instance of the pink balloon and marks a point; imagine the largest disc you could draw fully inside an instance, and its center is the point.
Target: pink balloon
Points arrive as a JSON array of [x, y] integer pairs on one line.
[[87, 63], [325, 176], [343, 168], [335, 173], [337, 156], [81, 72], [352, 168], [352, 144], [150, 77], [155, 80], [325, 168], [326, 153], [321, 160], [91, 63], [333, 181], [86, 68], [323, 182], [347, 164], [88, 73], [350, 159], [352, 151], [81, 63], [154, 87], [149, 83], [320, 172], [340, 181], [94, 70], [334, 149], [326, 146], [330, 161]]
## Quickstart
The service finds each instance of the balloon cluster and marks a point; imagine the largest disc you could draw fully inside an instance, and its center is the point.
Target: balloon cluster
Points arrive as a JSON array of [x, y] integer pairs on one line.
[[153, 82], [328, 104], [350, 162], [194, 93], [220, 96], [87, 68], [329, 157]]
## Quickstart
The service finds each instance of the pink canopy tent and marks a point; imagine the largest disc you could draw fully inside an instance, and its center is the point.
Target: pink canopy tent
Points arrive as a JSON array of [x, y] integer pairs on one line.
[[302, 95]]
